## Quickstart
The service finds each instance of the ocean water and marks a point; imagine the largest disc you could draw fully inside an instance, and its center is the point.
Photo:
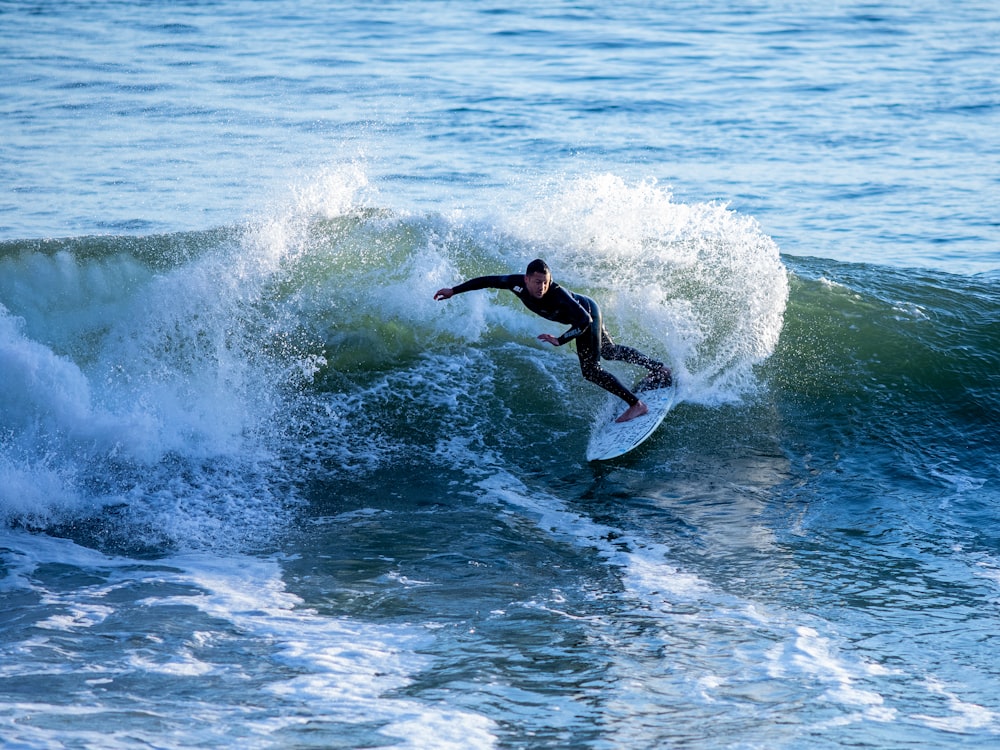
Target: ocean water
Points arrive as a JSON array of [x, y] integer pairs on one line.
[[259, 490]]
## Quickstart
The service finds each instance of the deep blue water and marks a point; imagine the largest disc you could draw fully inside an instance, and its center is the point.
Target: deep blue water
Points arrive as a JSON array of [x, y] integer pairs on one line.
[[258, 489]]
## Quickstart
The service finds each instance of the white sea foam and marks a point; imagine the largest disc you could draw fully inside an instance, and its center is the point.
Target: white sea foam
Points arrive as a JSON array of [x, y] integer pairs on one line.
[[324, 669], [111, 372], [965, 717], [48, 411], [76, 616], [345, 666], [811, 655]]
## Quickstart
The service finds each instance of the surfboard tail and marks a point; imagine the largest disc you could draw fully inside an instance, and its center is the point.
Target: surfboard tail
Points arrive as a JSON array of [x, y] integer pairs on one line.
[[611, 439]]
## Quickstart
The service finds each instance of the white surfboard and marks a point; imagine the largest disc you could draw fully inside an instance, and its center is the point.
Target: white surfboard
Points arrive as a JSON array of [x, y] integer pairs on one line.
[[611, 439]]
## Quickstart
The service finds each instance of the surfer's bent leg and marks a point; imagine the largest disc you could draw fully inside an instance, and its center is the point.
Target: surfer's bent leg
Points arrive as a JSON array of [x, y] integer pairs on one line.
[[660, 374], [618, 353], [588, 349]]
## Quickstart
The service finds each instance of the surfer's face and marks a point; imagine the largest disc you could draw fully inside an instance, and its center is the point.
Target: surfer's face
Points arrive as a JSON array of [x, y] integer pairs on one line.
[[537, 284]]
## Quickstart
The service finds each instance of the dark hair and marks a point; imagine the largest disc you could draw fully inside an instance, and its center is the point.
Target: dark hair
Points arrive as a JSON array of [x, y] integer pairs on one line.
[[537, 266]]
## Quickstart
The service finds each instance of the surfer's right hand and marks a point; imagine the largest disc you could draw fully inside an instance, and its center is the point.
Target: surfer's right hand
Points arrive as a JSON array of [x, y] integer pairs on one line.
[[445, 293]]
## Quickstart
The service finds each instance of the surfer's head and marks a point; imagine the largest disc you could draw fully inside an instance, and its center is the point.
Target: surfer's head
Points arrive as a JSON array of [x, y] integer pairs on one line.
[[538, 278], [538, 266]]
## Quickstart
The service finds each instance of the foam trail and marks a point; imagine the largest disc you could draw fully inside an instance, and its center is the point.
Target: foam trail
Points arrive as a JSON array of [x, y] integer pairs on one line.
[[846, 683]]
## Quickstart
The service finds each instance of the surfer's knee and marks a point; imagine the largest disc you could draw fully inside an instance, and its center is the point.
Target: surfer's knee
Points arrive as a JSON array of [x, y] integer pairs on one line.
[[591, 368], [599, 376]]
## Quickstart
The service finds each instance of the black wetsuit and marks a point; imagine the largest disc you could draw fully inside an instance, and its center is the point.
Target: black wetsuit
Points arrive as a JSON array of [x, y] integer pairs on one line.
[[583, 316]]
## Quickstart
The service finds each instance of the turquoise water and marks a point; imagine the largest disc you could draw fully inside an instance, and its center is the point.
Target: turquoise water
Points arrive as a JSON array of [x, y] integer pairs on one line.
[[258, 489]]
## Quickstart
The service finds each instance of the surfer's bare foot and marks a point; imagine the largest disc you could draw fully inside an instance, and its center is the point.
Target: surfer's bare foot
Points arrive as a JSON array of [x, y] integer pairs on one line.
[[633, 411]]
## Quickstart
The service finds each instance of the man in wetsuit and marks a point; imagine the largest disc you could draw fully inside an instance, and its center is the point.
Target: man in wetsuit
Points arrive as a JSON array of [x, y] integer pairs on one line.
[[544, 297]]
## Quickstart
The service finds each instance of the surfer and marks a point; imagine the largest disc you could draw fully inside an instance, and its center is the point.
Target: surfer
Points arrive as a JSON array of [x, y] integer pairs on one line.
[[540, 294]]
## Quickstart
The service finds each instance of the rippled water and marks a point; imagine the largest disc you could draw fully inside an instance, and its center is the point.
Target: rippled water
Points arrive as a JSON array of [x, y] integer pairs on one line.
[[257, 488], [858, 132]]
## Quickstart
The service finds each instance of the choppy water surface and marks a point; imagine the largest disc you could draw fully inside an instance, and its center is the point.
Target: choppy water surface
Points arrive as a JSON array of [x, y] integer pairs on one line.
[[258, 488]]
